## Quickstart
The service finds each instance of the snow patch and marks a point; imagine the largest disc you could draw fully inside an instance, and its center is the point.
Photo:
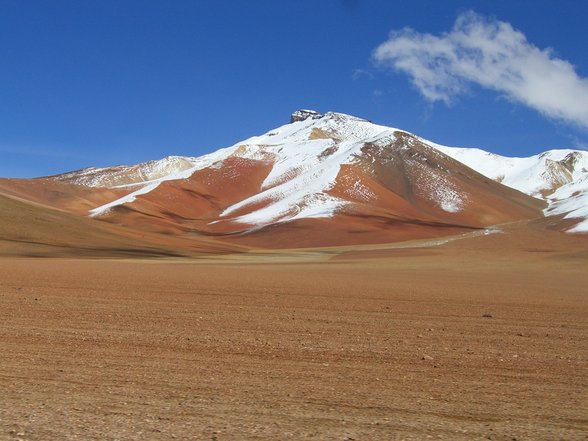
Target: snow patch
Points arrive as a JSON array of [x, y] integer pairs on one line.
[[292, 208], [103, 209], [361, 192], [439, 190], [571, 200]]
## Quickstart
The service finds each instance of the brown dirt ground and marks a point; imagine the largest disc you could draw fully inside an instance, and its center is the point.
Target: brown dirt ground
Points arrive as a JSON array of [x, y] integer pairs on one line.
[[441, 343]]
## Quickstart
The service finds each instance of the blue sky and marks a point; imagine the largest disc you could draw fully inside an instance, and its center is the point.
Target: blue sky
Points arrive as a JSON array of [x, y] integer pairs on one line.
[[97, 83]]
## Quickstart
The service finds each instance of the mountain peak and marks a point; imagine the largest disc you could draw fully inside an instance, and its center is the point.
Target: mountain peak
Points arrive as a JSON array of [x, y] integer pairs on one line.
[[304, 114]]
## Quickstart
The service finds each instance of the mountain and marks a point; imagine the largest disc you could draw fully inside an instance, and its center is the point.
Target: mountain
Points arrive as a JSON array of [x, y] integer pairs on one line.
[[560, 177], [320, 180]]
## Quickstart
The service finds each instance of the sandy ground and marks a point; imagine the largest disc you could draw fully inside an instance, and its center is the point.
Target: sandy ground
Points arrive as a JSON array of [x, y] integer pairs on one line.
[[405, 345]]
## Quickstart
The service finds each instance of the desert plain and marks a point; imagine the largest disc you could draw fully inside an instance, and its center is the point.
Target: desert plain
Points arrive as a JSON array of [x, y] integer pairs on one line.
[[478, 336]]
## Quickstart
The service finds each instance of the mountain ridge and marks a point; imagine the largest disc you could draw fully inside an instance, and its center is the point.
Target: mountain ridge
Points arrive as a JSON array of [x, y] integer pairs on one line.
[[319, 167], [325, 179], [477, 159]]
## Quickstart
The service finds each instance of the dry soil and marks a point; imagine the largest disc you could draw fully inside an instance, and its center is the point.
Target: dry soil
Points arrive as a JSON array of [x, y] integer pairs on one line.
[[400, 344]]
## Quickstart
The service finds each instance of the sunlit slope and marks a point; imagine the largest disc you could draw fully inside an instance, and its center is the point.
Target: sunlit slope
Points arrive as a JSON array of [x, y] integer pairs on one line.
[[31, 229]]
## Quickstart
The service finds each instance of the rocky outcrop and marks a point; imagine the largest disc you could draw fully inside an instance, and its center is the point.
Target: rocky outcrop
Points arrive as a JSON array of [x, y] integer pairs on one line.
[[303, 114]]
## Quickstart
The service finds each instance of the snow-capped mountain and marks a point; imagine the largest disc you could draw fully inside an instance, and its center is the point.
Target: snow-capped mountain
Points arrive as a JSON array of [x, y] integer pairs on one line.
[[378, 182], [343, 173], [558, 176]]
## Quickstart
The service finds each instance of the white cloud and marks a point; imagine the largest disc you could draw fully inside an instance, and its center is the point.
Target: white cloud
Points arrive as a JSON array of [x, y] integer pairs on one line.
[[494, 55]]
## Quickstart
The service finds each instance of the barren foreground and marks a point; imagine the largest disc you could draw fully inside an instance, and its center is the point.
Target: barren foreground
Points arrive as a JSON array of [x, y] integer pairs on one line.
[[401, 344]]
